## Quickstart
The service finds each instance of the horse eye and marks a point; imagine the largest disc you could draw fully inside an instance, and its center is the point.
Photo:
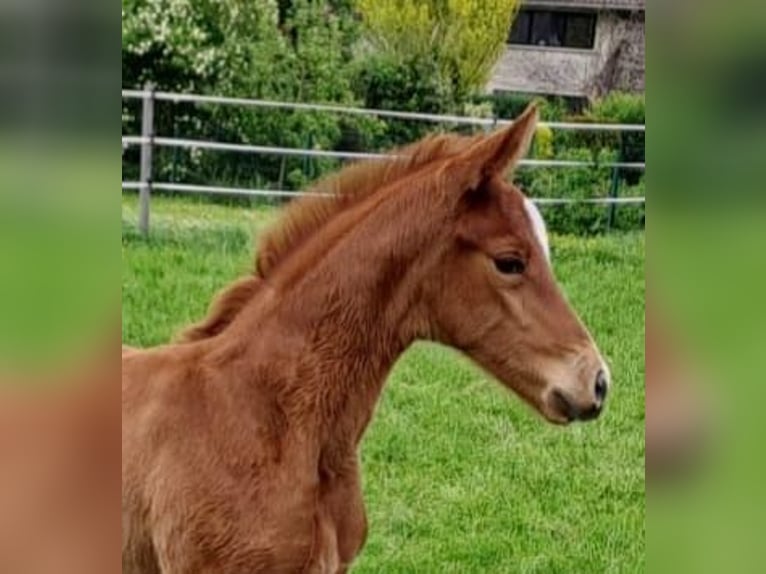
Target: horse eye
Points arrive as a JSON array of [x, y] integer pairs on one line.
[[510, 266]]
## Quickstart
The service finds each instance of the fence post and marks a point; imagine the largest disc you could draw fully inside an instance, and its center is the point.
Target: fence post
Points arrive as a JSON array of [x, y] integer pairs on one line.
[[613, 193], [147, 141], [615, 187]]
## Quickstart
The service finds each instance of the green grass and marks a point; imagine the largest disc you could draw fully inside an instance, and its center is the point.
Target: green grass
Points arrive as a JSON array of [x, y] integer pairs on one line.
[[459, 476]]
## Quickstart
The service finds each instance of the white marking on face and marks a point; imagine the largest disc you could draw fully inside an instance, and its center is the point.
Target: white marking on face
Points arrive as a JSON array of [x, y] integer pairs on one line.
[[538, 225]]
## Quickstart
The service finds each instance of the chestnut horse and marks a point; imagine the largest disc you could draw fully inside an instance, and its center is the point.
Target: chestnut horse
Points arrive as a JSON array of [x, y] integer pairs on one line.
[[240, 442]]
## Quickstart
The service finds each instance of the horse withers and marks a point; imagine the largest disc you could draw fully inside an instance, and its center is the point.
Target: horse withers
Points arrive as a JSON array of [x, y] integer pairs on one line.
[[240, 440]]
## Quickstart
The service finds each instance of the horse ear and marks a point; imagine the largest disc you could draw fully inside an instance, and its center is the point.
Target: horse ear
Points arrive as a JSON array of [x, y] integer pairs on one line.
[[494, 155]]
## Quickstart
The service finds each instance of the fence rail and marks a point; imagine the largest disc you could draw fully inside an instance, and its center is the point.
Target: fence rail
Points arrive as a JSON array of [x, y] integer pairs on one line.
[[246, 148], [148, 140], [213, 189], [437, 118]]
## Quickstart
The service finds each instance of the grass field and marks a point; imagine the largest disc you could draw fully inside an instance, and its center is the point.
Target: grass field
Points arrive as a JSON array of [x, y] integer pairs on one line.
[[459, 475]]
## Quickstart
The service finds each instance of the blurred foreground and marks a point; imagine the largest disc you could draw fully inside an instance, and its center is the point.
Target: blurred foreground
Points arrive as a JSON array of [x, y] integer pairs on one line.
[[60, 478], [59, 286], [59, 289], [706, 331]]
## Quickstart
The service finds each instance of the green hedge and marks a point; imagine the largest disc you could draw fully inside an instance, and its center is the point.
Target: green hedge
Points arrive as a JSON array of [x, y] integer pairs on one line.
[[583, 183], [385, 86]]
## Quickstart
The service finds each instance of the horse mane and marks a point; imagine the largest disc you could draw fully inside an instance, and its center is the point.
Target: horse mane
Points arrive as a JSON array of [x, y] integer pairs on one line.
[[302, 218], [225, 306]]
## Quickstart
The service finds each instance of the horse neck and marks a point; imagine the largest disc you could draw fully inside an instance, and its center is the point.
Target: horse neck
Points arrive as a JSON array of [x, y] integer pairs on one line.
[[345, 319]]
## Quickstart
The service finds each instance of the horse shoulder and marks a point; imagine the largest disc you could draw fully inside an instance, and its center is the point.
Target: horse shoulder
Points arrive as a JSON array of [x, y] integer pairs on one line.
[[151, 425], [205, 466]]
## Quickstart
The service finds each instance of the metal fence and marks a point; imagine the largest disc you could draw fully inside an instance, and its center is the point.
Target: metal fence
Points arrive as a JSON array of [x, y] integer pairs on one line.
[[149, 140]]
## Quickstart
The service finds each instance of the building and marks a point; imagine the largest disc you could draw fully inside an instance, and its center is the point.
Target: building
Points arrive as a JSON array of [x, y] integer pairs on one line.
[[574, 48]]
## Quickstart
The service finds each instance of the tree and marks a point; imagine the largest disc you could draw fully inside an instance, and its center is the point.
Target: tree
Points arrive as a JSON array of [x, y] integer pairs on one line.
[[291, 50], [464, 37], [193, 45]]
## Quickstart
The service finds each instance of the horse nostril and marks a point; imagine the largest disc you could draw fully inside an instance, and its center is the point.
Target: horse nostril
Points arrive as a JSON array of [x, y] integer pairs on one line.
[[601, 386]]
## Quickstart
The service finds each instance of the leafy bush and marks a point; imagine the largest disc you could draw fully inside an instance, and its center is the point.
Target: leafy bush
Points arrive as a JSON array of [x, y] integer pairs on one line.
[[360, 133], [615, 108], [571, 183], [411, 85], [291, 51], [462, 38], [543, 143], [628, 217], [510, 105], [618, 107], [309, 50], [478, 109]]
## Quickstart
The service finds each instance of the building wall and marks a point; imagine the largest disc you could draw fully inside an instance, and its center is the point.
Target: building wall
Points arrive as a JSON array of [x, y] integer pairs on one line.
[[616, 62], [631, 69]]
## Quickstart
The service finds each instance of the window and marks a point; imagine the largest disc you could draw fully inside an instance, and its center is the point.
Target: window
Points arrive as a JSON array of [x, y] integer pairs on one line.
[[520, 31], [554, 28]]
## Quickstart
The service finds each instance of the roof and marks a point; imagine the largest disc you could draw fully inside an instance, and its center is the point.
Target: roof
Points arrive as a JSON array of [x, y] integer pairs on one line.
[[633, 5]]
